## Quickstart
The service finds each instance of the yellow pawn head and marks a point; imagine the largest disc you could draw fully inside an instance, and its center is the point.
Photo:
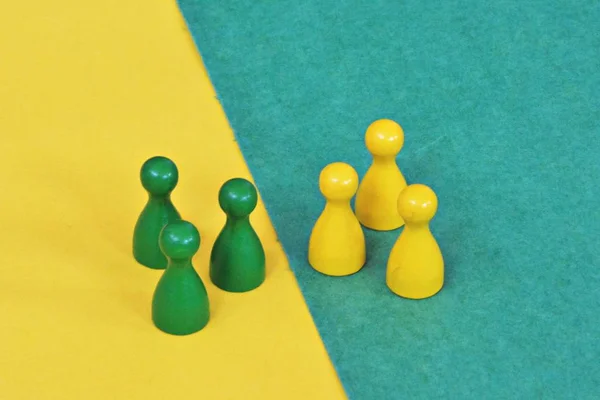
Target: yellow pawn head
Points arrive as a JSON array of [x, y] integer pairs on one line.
[[338, 181], [417, 203], [384, 137]]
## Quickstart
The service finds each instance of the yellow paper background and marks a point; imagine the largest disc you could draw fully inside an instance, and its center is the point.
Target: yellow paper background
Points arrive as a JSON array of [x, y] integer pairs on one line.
[[88, 91]]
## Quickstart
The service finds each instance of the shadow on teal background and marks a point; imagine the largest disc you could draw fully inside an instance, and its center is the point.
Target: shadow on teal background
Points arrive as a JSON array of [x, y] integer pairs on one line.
[[501, 111]]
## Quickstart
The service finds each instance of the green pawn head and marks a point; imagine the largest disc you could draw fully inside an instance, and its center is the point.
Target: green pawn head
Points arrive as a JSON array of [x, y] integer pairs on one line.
[[179, 240], [159, 176], [238, 198]]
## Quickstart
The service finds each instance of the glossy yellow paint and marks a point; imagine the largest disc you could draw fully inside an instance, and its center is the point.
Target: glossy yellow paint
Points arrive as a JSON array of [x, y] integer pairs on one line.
[[337, 242], [379, 190], [415, 268]]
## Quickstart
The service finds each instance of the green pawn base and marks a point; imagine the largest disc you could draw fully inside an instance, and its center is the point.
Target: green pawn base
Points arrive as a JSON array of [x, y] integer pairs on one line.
[[237, 283]]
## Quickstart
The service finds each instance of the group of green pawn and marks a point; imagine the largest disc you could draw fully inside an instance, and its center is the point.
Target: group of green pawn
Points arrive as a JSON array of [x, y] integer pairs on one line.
[[163, 240]]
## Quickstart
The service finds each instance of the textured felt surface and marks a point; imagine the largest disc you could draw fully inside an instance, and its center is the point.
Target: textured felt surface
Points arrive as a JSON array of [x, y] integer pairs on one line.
[[500, 106]]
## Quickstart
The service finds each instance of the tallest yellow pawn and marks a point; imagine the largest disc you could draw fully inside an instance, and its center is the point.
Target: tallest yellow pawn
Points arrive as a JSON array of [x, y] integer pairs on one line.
[[379, 190]]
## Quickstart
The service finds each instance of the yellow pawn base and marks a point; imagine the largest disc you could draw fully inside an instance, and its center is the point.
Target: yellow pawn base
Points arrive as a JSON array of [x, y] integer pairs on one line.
[[336, 269], [413, 290]]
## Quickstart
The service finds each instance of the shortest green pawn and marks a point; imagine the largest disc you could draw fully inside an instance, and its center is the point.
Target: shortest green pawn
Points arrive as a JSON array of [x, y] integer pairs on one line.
[[237, 259], [180, 304]]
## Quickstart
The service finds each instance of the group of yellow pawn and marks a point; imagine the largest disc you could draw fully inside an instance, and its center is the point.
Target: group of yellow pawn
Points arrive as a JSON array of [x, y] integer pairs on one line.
[[384, 202]]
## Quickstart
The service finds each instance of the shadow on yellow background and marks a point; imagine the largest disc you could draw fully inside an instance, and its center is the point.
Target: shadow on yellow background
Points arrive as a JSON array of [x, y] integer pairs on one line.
[[88, 91]]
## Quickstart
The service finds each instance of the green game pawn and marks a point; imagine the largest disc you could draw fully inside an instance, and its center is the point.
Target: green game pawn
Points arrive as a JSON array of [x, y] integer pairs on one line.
[[159, 177], [180, 304], [237, 260]]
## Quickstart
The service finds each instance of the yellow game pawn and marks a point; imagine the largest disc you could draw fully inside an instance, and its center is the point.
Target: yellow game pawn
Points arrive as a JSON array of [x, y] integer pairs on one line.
[[337, 242], [415, 269], [379, 190]]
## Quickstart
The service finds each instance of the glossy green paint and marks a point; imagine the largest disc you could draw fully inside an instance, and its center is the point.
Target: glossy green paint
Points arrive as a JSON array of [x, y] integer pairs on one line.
[[237, 260], [159, 177], [180, 304]]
